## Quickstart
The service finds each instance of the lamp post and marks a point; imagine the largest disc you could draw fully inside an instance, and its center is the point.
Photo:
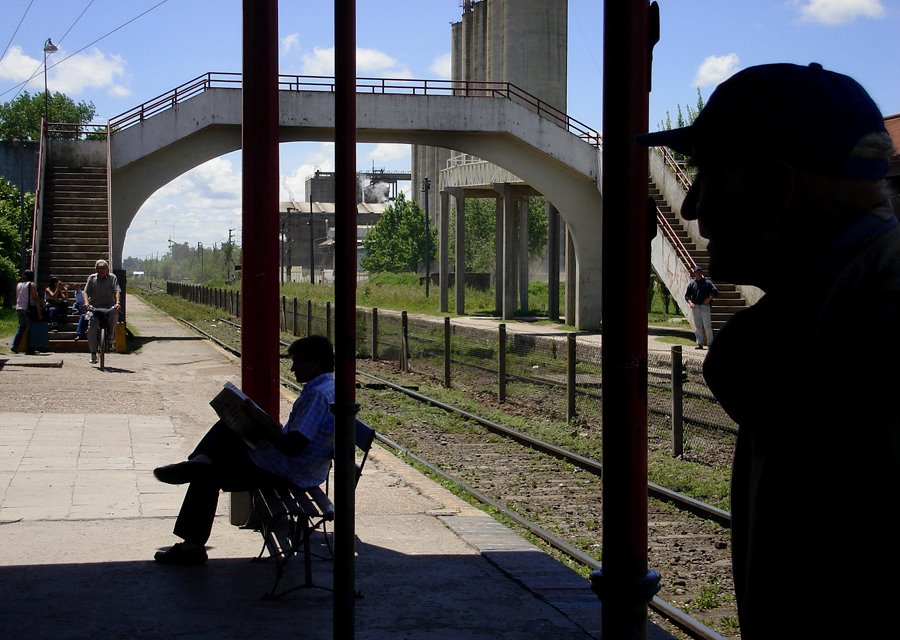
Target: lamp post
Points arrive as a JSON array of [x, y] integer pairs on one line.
[[281, 265], [312, 247], [49, 48], [426, 186]]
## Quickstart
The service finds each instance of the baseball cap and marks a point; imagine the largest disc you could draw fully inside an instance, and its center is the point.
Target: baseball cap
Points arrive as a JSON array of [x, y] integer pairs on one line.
[[697, 268], [799, 112]]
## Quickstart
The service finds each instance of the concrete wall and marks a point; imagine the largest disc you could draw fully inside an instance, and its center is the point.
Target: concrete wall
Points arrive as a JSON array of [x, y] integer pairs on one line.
[[18, 164]]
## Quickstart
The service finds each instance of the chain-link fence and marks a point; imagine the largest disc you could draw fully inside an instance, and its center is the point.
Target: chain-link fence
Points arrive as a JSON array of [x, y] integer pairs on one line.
[[561, 373]]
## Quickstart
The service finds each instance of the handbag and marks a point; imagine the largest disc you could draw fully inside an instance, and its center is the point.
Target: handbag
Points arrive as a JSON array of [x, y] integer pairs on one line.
[[31, 312], [38, 335]]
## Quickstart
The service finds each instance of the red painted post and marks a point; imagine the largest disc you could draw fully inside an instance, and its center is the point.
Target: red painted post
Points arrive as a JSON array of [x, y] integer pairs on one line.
[[624, 583], [345, 318], [259, 268]]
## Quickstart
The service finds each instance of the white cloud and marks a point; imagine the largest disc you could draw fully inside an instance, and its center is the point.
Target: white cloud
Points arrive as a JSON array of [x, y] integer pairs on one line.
[[386, 152], [715, 69], [18, 67], [292, 185], [318, 63], [290, 42], [74, 76], [88, 70], [198, 206], [441, 67], [834, 12], [369, 62]]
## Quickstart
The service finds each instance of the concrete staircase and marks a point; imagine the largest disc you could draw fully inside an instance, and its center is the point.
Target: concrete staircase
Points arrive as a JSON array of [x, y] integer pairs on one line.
[[74, 235], [729, 300]]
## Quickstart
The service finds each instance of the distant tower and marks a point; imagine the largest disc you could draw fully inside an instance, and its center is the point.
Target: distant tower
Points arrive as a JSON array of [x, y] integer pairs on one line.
[[523, 42]]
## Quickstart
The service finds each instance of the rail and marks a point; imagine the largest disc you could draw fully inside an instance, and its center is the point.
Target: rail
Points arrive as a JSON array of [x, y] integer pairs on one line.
[[397, 86], [675, 166], [680, 250], [685, 181]]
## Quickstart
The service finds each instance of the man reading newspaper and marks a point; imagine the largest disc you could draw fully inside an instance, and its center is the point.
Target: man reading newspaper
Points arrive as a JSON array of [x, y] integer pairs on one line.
[[247, 449]]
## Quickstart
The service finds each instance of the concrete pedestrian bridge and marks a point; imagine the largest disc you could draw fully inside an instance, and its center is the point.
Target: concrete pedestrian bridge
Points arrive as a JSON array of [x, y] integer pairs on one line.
[[154, 143]]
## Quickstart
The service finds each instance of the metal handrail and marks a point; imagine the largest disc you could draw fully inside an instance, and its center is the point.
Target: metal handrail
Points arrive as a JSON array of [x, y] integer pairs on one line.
[[680, 250], [675, 167], [685, 181], [401, 86]]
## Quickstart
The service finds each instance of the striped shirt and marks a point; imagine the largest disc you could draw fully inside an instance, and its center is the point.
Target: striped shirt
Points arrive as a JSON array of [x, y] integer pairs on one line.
[[311, 416]]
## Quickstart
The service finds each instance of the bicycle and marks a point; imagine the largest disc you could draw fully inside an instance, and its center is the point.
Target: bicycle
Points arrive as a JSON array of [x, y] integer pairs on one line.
[[103, 316]]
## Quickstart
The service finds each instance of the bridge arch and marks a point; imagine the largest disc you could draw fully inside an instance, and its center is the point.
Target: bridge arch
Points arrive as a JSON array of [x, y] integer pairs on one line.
[[146, 156]]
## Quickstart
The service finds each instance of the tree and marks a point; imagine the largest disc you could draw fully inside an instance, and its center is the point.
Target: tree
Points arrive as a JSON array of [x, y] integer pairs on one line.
[[481, 227], [21, 118], [396, 243], [10, 245]]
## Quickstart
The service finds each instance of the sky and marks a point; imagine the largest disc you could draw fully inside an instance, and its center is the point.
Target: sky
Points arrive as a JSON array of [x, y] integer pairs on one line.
[[118, 55]]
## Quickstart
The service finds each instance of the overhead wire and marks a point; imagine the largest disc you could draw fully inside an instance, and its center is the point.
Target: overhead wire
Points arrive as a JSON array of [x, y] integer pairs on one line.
[[74, 53], [18, 26]]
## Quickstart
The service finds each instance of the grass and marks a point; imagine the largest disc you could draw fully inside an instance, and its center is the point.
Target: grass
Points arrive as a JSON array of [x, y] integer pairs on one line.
[[406, 292], [9, 322]]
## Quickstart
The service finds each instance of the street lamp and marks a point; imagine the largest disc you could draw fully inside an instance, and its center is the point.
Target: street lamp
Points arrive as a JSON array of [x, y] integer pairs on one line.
[[49, 48], [312, 247], [426, 186], [281, 265]]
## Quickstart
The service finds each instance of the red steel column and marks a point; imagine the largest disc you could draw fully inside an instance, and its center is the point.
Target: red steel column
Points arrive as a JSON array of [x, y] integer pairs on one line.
[[259, 262], [624, 583], [344, 317]]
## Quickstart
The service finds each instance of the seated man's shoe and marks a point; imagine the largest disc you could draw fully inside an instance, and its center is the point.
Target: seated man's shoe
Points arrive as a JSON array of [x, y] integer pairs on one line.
[[182, 554], [181, 472], [76, 338]]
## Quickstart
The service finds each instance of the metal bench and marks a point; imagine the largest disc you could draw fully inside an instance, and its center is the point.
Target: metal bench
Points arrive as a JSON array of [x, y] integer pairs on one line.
[[287, 517]]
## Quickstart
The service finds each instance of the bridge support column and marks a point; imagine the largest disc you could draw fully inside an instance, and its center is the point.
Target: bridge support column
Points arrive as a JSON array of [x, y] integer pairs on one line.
[[459, 195], [443, 246], [571, 279], [552, 261], [498, 256], [509, 250], [523, 253]]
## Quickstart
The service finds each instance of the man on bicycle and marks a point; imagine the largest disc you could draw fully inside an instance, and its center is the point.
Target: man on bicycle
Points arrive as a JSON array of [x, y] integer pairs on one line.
[[101, 292]]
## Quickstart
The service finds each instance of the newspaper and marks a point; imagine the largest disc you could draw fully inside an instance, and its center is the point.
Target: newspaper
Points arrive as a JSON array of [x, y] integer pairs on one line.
[[246, 418]]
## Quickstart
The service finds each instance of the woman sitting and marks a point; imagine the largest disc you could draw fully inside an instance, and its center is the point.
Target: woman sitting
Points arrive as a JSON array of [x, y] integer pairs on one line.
[[56, 302]]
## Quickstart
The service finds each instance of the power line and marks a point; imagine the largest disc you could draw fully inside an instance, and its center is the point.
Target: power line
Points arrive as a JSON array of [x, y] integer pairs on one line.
[[90, 44], [21, 20]]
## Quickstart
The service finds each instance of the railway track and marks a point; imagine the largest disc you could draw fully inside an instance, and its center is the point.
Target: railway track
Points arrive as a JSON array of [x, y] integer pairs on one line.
[[553, 494]]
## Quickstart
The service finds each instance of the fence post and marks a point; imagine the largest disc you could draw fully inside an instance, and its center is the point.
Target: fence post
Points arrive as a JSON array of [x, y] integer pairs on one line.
[[501, 364], [294, 317], [570, 376], [237, 301], [677, 402], [374, 334], [404, 345], [327, 318], [309, 312], [283, 318], [447, 352]]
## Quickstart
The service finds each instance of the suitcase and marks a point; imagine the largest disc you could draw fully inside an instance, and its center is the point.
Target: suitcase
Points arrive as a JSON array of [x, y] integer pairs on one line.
[[38, 336]]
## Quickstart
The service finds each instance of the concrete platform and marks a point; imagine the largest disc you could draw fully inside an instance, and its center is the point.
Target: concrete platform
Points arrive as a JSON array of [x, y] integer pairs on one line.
[[81, 516]]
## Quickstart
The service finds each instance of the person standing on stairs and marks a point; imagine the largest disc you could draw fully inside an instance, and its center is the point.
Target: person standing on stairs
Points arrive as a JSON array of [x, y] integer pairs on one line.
[[699, 295]]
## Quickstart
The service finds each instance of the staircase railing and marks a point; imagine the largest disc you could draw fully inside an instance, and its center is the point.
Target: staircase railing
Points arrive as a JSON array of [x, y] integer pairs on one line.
[[680, 250], [675, 166]]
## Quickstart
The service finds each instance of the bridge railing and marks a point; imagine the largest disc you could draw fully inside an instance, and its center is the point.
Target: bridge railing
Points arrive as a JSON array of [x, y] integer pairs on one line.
[[403, 86]]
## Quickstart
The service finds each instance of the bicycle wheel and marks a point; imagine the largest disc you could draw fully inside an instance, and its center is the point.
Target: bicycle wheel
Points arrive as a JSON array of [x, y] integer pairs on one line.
[[102, 347]]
